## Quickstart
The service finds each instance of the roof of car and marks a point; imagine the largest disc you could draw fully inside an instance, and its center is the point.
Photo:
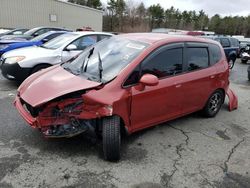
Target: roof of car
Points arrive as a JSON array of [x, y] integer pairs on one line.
[[91, 33], [151, 38]]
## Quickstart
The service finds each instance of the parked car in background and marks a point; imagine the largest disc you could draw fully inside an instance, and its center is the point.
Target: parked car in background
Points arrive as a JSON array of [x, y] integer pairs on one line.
[[127, 83], [231, 47], [14, 32], [33, 33], [20, 63], [243, 44], [8, 45], [245, 56], [84, 29]]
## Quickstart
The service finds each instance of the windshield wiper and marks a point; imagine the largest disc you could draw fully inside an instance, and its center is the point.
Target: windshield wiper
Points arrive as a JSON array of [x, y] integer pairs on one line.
[[85, 65], [100, 68]]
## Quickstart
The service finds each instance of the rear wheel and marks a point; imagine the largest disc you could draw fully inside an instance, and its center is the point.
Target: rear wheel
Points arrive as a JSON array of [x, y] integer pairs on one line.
[[214, 104], [38, 68], [231, 63], [111, 135]]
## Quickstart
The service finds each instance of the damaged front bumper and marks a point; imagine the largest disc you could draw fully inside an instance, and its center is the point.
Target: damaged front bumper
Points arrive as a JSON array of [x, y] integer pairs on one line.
[[66, 118]]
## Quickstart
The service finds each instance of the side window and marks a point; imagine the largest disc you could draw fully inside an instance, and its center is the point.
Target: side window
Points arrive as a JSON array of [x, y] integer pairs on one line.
[[101, 37], [215, 54], [225, 42], [85, 41], [197, 58], [235, 42], [53, 36], [41, 31], [166, 63]]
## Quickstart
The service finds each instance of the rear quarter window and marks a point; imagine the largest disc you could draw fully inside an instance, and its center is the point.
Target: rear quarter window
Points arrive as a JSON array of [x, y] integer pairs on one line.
[[215, 54]]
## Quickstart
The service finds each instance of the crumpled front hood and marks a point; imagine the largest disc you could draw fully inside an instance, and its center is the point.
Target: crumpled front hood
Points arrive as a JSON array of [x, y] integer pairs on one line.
[[51, 83]]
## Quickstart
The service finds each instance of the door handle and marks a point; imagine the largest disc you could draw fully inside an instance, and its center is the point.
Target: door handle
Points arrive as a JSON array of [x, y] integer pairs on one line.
[[213, 76]]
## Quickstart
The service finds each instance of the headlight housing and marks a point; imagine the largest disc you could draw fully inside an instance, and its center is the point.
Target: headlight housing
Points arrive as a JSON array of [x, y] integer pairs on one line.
[[12, 60], [3, 46]]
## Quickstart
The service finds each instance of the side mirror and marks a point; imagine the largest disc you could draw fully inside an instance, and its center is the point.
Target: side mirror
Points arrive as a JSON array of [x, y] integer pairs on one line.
[[71, 47], [147, 80]]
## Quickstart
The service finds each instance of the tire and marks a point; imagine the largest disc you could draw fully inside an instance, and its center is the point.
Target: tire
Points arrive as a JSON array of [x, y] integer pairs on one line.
[[214, 104], [244, 61], [231, 63], [111, 135], [38, 68]]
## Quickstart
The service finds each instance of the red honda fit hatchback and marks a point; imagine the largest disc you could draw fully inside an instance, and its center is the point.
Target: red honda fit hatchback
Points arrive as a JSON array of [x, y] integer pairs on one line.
[[129, 82]]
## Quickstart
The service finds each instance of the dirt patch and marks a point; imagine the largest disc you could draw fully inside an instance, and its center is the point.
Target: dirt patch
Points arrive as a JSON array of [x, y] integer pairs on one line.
[[9, 164], [223, 135]]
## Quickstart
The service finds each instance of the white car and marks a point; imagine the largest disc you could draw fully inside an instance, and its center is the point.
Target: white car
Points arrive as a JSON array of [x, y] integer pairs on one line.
[[20, 63]]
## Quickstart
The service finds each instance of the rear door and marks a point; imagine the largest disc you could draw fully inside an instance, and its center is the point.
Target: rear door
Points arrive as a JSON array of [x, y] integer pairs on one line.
[[199, 79]]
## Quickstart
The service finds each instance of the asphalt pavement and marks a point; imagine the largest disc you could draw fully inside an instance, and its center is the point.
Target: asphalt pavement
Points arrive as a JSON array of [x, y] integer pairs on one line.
[[189, 152]]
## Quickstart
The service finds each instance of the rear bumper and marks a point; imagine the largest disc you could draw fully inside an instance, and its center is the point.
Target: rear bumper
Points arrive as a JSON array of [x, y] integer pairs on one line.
[[233, 100]]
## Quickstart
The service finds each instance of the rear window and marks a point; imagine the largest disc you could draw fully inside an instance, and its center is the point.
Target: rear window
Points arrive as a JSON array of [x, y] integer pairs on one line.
[[215, 53], [197, 58]]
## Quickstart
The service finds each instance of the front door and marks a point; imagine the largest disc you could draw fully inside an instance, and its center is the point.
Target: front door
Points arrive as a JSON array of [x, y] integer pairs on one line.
[[159, 103]]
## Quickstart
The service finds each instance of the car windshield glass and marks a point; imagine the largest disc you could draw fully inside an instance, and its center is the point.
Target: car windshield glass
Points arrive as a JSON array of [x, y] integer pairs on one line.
[[59, 41], [31, 31], [40, 37], [107, 58]]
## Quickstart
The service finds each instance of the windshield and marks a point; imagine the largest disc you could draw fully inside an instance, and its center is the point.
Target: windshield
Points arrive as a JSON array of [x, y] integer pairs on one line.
[[40, 37], [112, 55], [59, 41], [31, 31]]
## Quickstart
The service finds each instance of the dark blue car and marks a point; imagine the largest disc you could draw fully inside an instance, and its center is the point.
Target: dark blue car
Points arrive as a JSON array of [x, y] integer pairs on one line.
[[231, 47], [7, 45]]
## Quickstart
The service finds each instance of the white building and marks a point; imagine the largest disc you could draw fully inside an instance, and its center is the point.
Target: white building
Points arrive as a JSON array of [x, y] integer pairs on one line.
[[34, 13]]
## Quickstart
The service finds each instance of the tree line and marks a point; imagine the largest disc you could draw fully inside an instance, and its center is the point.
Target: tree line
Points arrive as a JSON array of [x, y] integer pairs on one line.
[[127, 16]]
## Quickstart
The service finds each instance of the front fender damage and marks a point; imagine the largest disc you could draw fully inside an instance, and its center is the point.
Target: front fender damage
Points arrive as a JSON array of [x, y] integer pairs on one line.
[[233, 100], [69, 117]]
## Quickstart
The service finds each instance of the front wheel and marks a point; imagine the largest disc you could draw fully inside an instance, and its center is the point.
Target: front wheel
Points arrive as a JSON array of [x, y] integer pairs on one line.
[[214, 104], [111, 135]]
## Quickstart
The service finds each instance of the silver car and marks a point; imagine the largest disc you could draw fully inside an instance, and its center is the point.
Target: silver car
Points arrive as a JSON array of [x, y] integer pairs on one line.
[[19, 64]]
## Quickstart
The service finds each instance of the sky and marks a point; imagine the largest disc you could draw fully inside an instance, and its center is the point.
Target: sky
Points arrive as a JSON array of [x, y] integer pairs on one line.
[[211, 7]]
